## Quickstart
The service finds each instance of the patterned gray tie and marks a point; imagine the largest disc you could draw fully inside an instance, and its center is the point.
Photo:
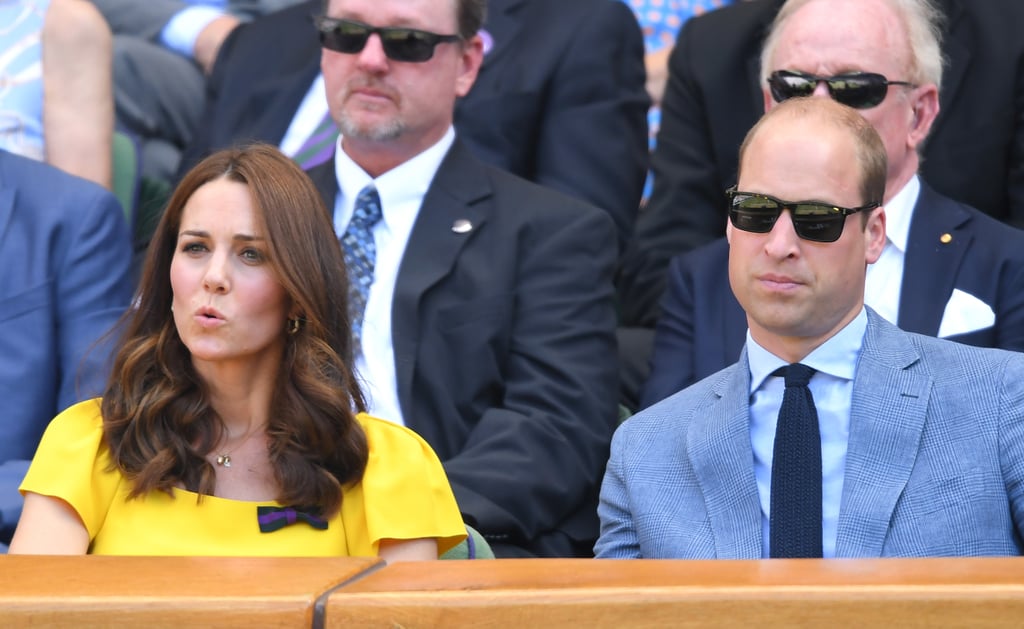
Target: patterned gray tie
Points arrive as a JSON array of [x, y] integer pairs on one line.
[[360, 257]]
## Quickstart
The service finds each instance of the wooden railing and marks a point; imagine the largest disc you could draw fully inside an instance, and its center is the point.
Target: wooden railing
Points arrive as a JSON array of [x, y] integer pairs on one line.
[[253, 592]]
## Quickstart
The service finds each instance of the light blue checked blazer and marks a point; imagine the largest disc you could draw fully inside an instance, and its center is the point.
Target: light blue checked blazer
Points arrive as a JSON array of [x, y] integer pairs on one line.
[[935, 465]]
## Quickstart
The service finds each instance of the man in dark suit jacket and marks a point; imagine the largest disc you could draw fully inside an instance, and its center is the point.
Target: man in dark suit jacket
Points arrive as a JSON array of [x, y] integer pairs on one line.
[[560, 99], [500, 349], [975, 153], [962, 273], [66, 254]]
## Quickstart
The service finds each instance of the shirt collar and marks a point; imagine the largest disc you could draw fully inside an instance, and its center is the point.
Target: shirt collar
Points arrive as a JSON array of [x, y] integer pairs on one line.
[[404, 183], [899, 211], [837, 356]]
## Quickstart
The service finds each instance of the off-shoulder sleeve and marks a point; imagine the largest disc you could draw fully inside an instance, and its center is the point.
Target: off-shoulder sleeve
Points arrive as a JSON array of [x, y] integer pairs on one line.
[[404, 493], [71, 464]]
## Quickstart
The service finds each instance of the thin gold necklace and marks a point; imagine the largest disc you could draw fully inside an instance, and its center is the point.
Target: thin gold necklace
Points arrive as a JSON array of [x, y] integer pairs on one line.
[[224, 458]]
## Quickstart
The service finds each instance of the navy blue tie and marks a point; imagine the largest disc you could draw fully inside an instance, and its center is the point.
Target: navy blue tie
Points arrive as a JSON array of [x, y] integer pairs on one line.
[[795, 525], [361, 256]]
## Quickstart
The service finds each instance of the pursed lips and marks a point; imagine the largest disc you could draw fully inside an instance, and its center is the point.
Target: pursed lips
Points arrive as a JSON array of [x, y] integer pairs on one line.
[[208, 317]]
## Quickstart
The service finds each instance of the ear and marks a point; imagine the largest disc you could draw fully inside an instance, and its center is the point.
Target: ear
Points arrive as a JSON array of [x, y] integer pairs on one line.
[[874, 235], [924, 104], [471, 58]]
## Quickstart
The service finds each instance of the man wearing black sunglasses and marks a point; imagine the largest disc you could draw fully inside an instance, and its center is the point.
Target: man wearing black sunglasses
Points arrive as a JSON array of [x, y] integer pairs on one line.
[[836, 434], [559, 100], [487, 324], [974, 152], [947, 270]]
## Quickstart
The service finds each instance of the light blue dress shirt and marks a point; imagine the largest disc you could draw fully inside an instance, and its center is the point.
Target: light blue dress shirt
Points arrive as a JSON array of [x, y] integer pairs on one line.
[[832, 388], [181, 31]]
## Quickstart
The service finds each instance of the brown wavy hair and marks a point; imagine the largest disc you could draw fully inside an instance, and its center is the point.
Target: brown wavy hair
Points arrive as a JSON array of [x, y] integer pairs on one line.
[[157, 418]]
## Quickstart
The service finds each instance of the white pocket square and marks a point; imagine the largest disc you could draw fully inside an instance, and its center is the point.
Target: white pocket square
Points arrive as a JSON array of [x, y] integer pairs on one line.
[[965, 313]]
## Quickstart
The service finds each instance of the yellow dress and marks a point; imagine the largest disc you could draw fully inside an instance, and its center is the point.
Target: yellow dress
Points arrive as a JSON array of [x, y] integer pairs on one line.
[[404, 494]]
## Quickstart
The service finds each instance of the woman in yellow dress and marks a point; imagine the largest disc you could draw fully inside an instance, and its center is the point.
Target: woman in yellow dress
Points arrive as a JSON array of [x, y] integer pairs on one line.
[[232, 423]]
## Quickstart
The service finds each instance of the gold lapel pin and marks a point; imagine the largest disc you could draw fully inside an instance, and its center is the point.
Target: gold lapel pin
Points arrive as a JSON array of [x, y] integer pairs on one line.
[[946, 238]]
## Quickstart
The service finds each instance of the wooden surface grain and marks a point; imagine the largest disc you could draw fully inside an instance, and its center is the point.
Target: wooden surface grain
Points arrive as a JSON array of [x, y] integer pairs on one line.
[[167, 591], [651, 593]]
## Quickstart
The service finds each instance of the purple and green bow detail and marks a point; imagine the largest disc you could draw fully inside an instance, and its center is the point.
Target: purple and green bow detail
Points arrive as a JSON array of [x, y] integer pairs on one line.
[[274, 518]]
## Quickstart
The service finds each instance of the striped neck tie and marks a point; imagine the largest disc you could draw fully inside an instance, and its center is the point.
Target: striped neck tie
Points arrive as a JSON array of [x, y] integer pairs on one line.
[[360, 257], [319, 146], [795, 519]]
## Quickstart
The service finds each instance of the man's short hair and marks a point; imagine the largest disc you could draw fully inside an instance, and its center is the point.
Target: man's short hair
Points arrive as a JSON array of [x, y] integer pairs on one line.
[[871, 155], [921, 18], [469, 13]]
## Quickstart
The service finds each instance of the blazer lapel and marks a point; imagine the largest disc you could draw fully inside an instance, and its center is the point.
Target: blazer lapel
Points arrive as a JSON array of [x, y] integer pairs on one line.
[[450, 216], [938, 240], [887, 417], [718, 445]]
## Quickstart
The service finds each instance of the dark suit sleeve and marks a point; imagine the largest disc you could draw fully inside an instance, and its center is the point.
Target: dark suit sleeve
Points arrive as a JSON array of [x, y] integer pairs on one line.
[[94, 287], [672, 365], [537, 457], [206, 139], [592, 142], [687, 203]]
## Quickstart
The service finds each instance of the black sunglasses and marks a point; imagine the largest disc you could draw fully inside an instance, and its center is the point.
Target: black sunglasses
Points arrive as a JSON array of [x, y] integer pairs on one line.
[[812, 220], [400, 44], [860, 90]]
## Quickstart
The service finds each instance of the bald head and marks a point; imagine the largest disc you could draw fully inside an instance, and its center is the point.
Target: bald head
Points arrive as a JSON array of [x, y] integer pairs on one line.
[[801, 115]]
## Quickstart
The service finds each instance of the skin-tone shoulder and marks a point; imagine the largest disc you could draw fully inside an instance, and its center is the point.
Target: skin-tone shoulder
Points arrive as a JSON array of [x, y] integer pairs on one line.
[[49, 526]]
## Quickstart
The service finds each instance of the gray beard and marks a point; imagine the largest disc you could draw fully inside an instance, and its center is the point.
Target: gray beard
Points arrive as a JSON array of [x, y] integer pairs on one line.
[[376, 133]]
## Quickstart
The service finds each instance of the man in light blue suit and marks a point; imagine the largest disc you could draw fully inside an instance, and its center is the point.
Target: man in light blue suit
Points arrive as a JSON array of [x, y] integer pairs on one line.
[[921, 439], [65, 251]]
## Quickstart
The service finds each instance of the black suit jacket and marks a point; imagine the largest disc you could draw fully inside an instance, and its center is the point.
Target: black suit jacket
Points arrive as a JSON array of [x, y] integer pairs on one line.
[[560, 99], [504, 350], [975, 153], [703, 328]]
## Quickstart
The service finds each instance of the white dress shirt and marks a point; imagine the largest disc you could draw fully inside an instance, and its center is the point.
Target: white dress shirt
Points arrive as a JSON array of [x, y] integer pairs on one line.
[[401, 191], [307, 117]]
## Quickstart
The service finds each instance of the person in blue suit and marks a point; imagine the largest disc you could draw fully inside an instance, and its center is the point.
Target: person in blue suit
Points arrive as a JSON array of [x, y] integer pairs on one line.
[[915, 445], [66, 253], [948, 269]]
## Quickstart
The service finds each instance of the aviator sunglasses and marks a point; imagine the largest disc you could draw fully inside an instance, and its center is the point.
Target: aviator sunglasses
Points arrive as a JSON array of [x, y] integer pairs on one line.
[[812, 220], [860, 90], [400, 44]]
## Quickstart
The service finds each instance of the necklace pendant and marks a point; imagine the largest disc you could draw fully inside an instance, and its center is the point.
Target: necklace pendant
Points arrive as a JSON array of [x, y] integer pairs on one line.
[[224, 460]]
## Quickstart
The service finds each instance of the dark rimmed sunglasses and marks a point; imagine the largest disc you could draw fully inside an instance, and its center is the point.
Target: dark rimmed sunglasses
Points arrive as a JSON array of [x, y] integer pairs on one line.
[[860, 90], [812, 220], [400, 44]]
